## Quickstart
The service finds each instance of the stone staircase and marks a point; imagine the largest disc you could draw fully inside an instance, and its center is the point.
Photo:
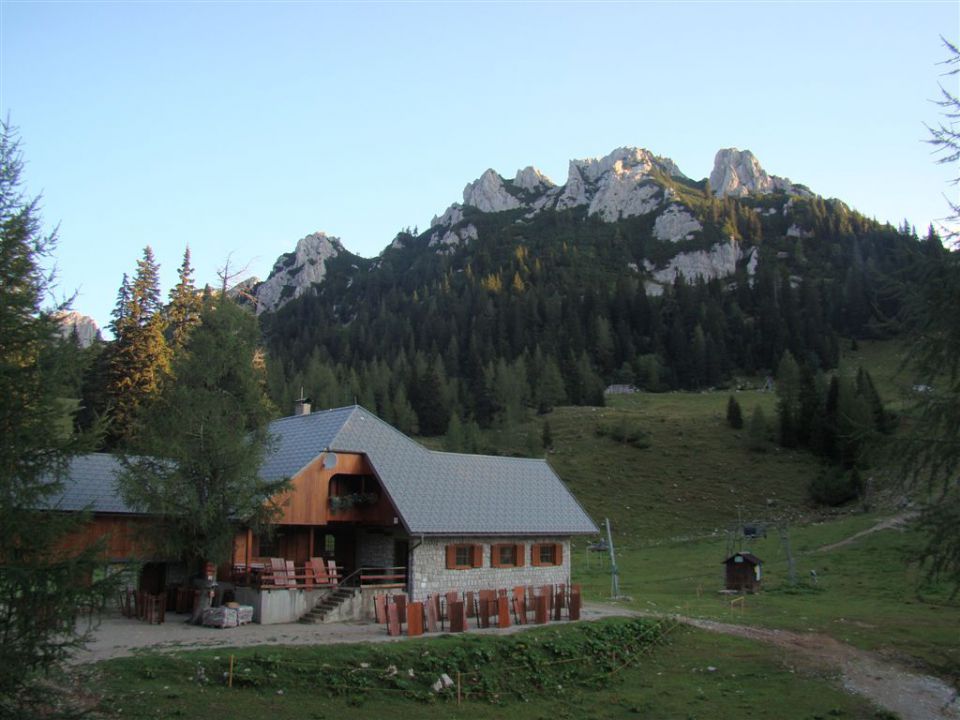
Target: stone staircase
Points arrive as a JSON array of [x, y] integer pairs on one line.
[[340, 604]]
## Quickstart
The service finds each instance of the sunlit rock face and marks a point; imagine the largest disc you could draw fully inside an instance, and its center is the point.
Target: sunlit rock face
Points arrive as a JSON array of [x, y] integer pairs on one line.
[[85, 327], [532, 180], [738, 173], [720, 261], [488, 194], [676, 223], [294, 273]]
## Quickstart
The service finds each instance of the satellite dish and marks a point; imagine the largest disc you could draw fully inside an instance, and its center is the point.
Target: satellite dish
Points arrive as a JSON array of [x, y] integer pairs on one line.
[[329, 461]]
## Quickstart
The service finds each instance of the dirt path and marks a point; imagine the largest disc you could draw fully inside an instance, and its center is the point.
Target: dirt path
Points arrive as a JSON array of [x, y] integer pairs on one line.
[[911, 695], [894, 522]]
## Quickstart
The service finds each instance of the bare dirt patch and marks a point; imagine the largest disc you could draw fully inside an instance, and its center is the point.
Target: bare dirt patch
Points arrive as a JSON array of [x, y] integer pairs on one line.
[[910, 695], [895, 522]]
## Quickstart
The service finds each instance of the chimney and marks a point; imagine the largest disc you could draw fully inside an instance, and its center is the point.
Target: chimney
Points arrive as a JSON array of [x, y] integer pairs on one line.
[[301, 406]]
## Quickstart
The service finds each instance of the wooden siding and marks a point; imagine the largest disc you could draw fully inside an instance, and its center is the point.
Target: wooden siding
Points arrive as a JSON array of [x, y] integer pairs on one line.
[[120, 534], [308, 500]]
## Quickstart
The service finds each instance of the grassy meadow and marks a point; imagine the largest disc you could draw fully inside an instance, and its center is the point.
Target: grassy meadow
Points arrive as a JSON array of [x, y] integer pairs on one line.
[[691, 674], [674, 499]]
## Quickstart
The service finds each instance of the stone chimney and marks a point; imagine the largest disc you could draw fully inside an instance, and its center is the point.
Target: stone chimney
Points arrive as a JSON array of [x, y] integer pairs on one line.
[[301, 406]]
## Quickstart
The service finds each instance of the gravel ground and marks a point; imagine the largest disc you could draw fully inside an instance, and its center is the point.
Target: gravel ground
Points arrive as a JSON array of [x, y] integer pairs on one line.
[[118, 636]]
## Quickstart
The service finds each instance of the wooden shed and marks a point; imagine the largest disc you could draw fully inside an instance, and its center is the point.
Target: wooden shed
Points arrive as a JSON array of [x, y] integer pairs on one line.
[[743, 572]]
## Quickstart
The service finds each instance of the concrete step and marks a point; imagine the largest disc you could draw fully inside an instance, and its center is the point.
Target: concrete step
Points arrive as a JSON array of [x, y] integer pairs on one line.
[[328, 605]]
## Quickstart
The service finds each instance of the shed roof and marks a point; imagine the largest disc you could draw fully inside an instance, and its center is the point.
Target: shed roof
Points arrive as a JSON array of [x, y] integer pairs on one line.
[[90, 483], [434, 493], [749, 557]]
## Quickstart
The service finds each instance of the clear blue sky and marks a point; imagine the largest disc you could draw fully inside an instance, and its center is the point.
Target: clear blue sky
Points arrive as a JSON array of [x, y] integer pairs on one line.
[[242, 127]]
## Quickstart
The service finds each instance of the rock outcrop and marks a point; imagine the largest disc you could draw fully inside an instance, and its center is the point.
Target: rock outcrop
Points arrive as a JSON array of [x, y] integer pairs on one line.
[[489, 194], [532, 180], [295, 273], [675, 223], [738, 173], [85, 327], [451, 239], [720, 261]]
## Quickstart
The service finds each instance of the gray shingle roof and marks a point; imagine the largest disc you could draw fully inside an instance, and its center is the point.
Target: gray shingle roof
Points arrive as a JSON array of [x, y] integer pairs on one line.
[[435, 492], [90, 483]]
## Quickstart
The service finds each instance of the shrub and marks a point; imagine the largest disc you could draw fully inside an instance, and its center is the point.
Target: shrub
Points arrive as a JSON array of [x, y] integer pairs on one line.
[[624, 430], [835, 487]]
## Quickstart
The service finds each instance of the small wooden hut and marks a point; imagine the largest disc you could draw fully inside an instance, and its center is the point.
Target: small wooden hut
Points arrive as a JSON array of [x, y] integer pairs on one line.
[[743, 572]]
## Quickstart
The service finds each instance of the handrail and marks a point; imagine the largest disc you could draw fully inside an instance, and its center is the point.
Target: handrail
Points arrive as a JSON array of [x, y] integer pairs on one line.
[[349, 578]]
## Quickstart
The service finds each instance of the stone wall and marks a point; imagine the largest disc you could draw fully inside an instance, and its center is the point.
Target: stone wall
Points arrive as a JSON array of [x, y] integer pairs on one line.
[[375, 549], [429, 572]]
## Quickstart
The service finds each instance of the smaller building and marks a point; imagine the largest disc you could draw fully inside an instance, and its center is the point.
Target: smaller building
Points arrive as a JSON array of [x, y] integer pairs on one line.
[[743, 572]]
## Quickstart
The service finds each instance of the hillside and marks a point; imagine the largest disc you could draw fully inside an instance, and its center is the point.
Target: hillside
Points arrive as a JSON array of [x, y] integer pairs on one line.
[[630, 272]]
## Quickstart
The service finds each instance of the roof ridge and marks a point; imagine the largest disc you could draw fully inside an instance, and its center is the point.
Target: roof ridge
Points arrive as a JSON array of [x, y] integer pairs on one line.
[[311, 414], [487, 455], [383, 422]]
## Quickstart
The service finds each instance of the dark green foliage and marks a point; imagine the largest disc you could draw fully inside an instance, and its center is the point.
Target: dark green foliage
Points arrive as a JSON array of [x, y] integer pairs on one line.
[[139, 355], [546, 436], [758, 431], [42, 585], [183, 312], [555, 292], [625, 430], [734, 414], [929, 451], [195, 459], [836, 486]]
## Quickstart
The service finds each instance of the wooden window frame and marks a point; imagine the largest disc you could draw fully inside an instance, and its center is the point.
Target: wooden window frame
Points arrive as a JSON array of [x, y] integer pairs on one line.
[[495, 557], [536, 556], [475, 553]]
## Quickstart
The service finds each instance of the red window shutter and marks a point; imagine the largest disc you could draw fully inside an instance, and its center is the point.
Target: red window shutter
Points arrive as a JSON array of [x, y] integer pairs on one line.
[[494, 556], [558, 554], [477, 556], [518, 554], [535, 554], [451, 557]]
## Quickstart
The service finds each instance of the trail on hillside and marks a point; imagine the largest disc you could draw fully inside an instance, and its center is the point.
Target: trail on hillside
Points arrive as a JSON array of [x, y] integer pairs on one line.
[[893, 522], [911, 695]]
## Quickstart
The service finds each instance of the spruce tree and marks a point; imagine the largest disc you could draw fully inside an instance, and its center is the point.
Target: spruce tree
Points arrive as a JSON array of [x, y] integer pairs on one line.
[[183, 312], [140, 356], [42, 586]]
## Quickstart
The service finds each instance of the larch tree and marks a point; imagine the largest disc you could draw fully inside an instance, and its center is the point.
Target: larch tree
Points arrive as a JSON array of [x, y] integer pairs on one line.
[[42, 584], [195, 458], [930, 448]]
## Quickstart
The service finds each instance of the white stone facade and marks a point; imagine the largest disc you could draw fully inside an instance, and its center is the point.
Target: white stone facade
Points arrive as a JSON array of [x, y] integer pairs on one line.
[[429, 574]]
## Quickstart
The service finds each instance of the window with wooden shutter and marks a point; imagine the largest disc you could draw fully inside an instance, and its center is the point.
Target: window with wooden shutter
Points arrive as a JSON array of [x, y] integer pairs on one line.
[[545, 554], [506, 555], [464, 557]]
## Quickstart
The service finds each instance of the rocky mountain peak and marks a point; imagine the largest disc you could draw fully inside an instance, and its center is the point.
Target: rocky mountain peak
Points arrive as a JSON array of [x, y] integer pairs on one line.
[[489, 194], [738, 173], [531, 179], [295, 273]]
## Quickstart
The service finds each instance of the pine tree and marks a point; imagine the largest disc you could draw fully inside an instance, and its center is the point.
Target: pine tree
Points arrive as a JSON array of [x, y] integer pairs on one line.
[[196, 455], [183, 312], [42, 587]]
